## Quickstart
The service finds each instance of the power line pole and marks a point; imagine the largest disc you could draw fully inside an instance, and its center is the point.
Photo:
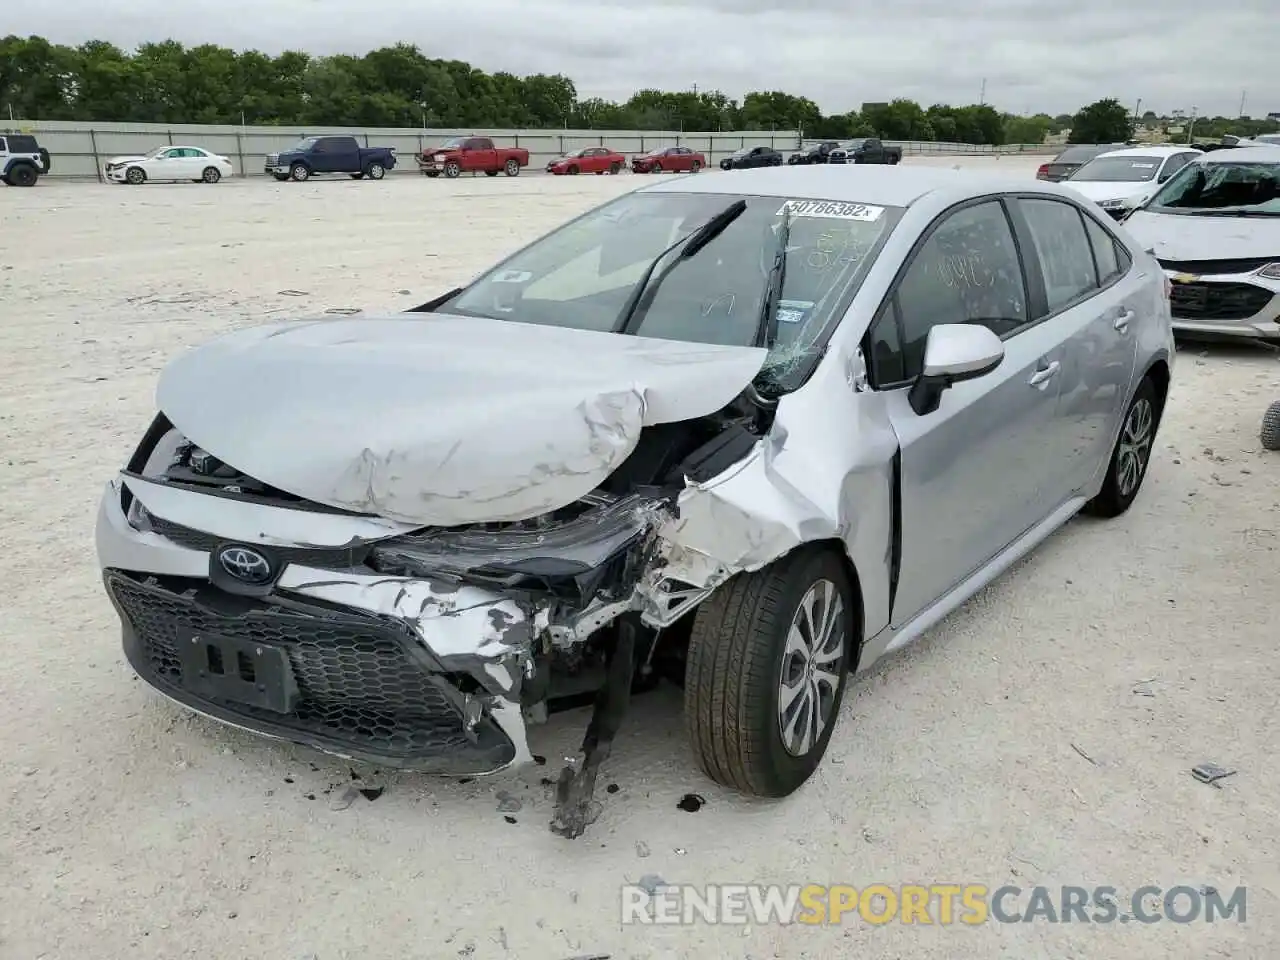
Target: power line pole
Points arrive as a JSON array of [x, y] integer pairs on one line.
[[1243, 94], [982, 95]]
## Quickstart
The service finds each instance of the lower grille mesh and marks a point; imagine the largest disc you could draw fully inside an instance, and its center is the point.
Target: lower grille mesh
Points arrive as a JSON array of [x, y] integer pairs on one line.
[[357, 682]]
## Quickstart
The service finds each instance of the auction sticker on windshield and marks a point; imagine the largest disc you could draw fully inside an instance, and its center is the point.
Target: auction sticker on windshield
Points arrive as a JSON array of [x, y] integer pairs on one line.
[[831, 209]]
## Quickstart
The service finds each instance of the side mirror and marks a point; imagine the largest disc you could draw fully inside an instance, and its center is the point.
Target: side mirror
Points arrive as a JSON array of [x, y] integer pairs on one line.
[[953, 353]]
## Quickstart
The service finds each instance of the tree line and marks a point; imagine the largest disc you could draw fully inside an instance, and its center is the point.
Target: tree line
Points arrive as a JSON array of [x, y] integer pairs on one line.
[[399, 86]]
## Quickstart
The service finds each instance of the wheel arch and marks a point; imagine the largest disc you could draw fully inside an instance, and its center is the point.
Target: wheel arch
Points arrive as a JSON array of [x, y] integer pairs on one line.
[[1160, 376], [839, 549]]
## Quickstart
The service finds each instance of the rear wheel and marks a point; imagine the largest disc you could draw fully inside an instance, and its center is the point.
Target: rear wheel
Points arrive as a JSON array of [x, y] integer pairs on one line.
[[769, 657], [512, 168], [1131, 456], [211, 175], [22, 175]]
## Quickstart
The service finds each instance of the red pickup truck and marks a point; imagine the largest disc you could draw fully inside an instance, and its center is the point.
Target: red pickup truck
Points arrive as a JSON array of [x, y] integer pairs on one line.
[[472, 155]]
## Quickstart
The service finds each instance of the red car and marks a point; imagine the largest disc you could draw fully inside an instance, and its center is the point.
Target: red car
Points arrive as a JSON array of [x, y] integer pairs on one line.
[[588, 160], [672, 159]]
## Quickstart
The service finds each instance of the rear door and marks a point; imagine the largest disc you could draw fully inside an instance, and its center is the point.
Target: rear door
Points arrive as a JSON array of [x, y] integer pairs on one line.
[[1089, 306], [973, 472]]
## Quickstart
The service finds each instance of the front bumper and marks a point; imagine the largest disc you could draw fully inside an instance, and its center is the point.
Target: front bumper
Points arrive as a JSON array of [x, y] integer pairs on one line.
[[1225, 305], [402, 672], [114, 174]]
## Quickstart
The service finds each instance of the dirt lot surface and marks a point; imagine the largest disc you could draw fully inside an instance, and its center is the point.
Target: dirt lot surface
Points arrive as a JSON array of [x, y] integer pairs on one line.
[[1044, 734]]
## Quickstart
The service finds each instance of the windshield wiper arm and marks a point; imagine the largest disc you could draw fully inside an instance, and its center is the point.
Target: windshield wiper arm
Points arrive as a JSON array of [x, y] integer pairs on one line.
[[767, 326], [642, 296]]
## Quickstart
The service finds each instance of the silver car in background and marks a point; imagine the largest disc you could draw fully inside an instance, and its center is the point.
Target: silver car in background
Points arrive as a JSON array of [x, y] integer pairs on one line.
[[753, 432]]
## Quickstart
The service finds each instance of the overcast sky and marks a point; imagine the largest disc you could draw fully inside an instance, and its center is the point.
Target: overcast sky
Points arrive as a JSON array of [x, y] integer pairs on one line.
[[1055, 57]]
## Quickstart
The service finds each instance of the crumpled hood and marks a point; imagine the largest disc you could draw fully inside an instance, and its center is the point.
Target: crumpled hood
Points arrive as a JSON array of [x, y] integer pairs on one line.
[[436, 419], [1175, 237], [119, 160], [1098, 191]]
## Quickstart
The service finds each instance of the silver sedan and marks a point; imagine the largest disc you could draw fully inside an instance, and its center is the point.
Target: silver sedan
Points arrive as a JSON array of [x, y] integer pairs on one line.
[[750, 433]]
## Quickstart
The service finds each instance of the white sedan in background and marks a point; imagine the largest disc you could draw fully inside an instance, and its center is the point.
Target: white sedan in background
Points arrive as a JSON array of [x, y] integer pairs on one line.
[[169, 163], [1120, 180]]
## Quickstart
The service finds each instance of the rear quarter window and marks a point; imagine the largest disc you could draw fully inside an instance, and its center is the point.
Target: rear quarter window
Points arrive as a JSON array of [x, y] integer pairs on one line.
[[23, 144]]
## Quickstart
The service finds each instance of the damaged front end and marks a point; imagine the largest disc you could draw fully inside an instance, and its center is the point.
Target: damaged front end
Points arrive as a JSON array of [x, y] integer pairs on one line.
[[429, 648]]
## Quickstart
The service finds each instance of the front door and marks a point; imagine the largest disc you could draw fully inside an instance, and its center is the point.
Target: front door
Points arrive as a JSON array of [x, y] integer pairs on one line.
[[975, 473]]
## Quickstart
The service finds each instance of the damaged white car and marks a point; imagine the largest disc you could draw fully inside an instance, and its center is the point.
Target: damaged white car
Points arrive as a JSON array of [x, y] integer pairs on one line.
[[766, 428]]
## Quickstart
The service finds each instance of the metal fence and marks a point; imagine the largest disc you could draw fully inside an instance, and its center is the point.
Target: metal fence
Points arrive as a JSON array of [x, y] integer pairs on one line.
[[948, 148], [80, 150]]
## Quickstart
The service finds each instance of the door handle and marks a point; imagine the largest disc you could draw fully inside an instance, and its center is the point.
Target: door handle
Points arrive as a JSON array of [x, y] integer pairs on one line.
[[1121, 323], [1044, 375]]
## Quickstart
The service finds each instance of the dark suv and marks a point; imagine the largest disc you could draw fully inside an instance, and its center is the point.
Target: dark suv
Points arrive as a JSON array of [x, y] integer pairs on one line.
[[22, 160]]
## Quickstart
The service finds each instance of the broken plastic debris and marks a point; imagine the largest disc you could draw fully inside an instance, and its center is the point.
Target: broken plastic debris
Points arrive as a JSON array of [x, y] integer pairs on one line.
[[1211, 773], [651, 883], [345, 799], [372, 793], [507, 803], [294, 293]]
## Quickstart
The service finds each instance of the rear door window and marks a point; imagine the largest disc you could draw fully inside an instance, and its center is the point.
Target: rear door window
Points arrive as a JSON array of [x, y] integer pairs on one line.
[[1063, 250], [1111, 260], [3, 147]]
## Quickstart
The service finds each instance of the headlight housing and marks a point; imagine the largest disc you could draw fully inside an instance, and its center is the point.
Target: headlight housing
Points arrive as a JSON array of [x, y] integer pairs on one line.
[[1271, 271]]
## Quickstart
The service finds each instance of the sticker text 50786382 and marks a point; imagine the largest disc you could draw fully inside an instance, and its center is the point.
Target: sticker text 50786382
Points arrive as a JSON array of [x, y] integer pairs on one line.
[[831, 209]]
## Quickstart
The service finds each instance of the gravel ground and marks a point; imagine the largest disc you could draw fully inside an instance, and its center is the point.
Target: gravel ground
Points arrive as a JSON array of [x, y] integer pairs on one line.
[[1043, 734]]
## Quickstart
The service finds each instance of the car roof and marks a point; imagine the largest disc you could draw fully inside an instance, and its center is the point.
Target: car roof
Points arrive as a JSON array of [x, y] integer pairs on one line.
[[887, 185], [1155, 150], [1262, 153]]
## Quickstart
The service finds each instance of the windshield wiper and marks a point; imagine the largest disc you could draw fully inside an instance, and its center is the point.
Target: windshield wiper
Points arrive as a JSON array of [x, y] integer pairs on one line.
[[642, 296], [767, 326]]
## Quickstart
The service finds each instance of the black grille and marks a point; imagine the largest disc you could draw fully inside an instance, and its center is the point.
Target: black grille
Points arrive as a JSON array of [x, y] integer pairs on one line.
[[1218, 266], [332, 559], [358, 686], [1217, 301]]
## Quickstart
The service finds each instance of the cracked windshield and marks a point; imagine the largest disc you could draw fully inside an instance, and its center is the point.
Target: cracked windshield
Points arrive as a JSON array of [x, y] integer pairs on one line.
[[694, 267], [1222, 189]]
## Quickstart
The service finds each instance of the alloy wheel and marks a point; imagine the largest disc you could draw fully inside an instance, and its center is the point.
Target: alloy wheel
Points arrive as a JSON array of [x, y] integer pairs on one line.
[[811, 664], [1135, 447]]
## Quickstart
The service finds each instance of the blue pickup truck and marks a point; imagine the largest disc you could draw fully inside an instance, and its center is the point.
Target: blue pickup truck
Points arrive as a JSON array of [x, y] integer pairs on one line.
[[317, 155]]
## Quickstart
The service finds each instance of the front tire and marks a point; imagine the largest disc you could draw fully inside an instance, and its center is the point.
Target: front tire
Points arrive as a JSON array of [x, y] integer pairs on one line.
[[492, 173], [211, 175], [656, 168], [135, 176], [282, 177], [572, 171], [768, 662], [512, 168], [299, 173], [375, 171], [695, 167], [453, 170], [1131, 455], [1270, 432], [614, 168]]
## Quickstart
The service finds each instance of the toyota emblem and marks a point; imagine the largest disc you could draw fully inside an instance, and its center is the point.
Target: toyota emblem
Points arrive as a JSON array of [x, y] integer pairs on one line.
[[248, 566]]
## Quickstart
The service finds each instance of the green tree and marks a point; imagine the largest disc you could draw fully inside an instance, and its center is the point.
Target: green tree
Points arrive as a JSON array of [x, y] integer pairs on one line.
[[1104, 121]]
